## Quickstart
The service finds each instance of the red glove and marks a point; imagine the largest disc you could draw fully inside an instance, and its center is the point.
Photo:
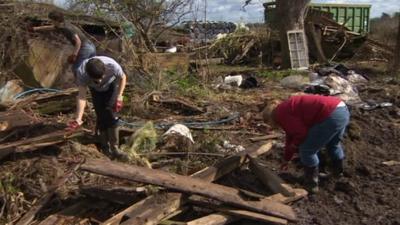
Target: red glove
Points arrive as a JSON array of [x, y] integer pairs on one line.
[[72, 125], [30, 29], [72, 58], [118, 105], [284, 166]]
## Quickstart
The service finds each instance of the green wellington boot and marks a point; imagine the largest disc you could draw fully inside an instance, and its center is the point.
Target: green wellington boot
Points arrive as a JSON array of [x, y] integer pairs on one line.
[[113, 138]]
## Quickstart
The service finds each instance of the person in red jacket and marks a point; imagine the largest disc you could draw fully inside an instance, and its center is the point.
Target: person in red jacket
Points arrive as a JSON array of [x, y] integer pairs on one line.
[[311, 122]]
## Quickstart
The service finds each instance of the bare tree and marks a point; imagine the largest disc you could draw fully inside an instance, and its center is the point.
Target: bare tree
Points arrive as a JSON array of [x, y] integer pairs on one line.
[[150, 17], [290, 15], [395, 64]]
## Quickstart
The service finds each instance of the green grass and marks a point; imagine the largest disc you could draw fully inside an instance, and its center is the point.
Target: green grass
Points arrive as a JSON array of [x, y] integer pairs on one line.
[[218, 70], [188, 85], [7, 184]]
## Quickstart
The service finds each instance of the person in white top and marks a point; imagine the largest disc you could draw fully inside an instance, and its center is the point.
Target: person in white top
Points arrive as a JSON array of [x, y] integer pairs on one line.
[[106, 81]]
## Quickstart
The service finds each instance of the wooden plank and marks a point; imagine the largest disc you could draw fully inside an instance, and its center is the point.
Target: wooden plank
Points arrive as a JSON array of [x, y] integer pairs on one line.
[[35, 143], [170, 202], [150, 210], [75, 209], [119, 195], [30, 215], [264, 149], [42, 98], [171, 222], [266, 137], [299, 194], [210, 61], [153, 209], [269, 179], [213, 219], [245, 50], [227, 215], [10, 120], [188, 185], [253, 215], [180, 104]]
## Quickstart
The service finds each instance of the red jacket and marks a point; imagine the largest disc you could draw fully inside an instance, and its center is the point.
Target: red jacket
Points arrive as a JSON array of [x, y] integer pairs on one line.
[[298, 114]]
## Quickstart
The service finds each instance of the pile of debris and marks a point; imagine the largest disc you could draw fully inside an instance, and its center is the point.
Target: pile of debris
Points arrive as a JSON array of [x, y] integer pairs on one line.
[[29, 124], [243, 47], [334, 80], [40, 58]]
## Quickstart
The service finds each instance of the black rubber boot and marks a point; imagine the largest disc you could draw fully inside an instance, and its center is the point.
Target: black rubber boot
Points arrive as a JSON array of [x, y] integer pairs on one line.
[[322, 167], [113, 138], [337, 168], [311, 179], [103, 144]]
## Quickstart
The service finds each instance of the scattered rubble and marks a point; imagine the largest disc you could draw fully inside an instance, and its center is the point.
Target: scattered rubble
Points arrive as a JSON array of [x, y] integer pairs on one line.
[[9, 90], [197, 155]]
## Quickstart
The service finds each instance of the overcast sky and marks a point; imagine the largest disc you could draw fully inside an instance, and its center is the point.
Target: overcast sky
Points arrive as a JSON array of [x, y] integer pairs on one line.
[[231, 10]]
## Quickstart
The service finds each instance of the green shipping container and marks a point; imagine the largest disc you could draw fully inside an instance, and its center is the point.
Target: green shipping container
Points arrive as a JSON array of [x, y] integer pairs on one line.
[[356, 16]]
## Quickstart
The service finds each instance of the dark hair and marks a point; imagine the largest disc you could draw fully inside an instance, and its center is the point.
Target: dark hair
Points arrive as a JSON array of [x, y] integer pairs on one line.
[[95, 68], [56, 16]]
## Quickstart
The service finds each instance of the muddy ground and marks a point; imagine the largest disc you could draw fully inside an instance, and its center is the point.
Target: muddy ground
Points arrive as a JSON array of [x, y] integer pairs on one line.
[[370, 191], [367, 194]]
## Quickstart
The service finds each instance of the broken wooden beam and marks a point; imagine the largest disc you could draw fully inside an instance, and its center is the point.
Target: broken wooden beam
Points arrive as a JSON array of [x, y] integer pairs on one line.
[[188, 185], [262, 150], [269, 179], [13, 119], [245, 50], [267, 137], [38, 99], [213, 219], [226, 215], [253, 216], [172, 201], [42, 98], [203, 62], [56, 106], [180, 104], [119, 195], [31, 144]]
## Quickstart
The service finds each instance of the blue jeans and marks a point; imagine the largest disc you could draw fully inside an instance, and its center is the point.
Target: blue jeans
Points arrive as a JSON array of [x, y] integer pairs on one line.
[[327, 134], [87, 50]]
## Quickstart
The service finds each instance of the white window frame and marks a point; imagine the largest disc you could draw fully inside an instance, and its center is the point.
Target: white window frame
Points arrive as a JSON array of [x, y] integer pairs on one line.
[[298, 50]]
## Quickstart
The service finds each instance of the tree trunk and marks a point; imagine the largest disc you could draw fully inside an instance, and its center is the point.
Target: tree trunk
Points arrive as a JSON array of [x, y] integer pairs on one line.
[[291, 16], [395, 64], [316, 47]]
